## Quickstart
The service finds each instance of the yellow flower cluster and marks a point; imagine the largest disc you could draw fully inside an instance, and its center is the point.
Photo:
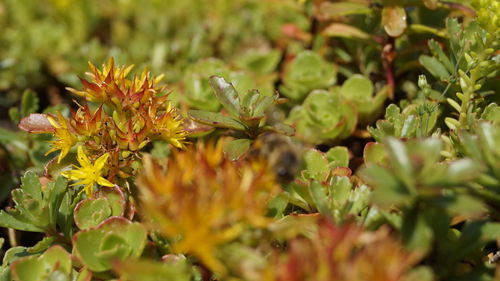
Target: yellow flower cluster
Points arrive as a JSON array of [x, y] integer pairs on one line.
[[131, 113], [88, 174], [205, 199]]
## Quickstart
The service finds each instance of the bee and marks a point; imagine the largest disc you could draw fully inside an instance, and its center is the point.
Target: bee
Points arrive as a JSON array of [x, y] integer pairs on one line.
[[281, 153]]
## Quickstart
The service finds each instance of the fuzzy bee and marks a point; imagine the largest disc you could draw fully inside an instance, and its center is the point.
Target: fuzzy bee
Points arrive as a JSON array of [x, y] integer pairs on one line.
[[282, 155]]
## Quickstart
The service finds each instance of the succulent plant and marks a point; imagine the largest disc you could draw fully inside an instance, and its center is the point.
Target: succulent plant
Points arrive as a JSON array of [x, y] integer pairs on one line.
[[359, 90], [114, 239], [308, 71], [323, 117], [247, 114]]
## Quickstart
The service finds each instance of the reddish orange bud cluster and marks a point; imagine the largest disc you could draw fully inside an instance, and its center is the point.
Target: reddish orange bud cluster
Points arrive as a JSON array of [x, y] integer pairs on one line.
[[130, 113], [345, 253]]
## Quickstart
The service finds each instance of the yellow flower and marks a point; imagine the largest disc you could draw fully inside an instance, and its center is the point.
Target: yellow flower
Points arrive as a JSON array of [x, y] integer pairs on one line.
[[88, 174], [168, 126], [205, 200], [65, 139]]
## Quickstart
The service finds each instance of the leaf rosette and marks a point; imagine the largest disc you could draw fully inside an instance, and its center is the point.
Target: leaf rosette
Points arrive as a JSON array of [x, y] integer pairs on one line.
[[324, 117]]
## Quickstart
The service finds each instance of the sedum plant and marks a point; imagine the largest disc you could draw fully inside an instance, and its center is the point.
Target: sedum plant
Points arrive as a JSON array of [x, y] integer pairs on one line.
[[316, 122], [314, 187], [306, 72], [246, 115], [215, 200], [131, 113]]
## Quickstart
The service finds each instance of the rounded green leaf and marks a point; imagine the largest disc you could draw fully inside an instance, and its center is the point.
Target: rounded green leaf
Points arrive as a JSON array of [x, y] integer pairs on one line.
[[338, 156], [86, 244], [316, 165], [115, 197], [307, 72], [91, 212], [357, 88]]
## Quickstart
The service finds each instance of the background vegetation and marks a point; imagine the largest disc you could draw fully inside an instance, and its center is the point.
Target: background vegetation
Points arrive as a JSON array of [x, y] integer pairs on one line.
[[253, 140]]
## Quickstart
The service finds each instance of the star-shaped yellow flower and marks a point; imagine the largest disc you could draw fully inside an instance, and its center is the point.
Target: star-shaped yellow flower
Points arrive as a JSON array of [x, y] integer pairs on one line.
[[65, 139], [88, 174]]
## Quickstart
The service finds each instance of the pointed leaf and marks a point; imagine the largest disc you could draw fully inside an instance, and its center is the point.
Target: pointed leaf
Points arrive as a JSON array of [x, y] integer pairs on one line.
[[216, 119], [236, 148], [344, 30], [436, 68], [29, 103], [226, 94]]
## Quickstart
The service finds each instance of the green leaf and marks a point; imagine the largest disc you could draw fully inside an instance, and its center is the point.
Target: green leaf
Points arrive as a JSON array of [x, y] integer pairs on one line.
[[277, 206], [115, 239], [216, 119], [261, 62], [316, 165], [437, 52], [343, 8], [31, 185], [28, 269], [338, 156], [248, 102], [9, 221], [91, 212], [14, 115], [436, 68], [344, 30], [319, 197], [236, 148], [465, 205], [147, 270], [39, 268], [54, 195], [42, 245], [388, 190], [115, 198], [357, 88], [416, 233], [492, 113], [374, 152], [307, 72], [86, 244], [262, 104], [226, 94], [281, 128], [29, 103], [13, 138], [400, 161], [56, 255]]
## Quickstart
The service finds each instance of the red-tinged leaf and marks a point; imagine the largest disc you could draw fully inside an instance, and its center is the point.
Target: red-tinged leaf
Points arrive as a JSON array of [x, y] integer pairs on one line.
[[344, 30], [342, 172], [88, 85], [36, 123], [196, 129], [394, 20], [293, 31]]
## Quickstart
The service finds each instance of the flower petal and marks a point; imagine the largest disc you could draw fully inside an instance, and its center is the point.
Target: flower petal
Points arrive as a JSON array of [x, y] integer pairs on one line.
[[82, 158], [99, 163], [104, 182]]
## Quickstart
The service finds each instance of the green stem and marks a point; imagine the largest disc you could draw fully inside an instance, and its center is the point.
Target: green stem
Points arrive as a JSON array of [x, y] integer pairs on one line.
[[470, 87]]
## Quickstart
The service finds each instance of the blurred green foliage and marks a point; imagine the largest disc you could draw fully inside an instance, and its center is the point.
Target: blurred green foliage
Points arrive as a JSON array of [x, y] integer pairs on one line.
[[387, 116]]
